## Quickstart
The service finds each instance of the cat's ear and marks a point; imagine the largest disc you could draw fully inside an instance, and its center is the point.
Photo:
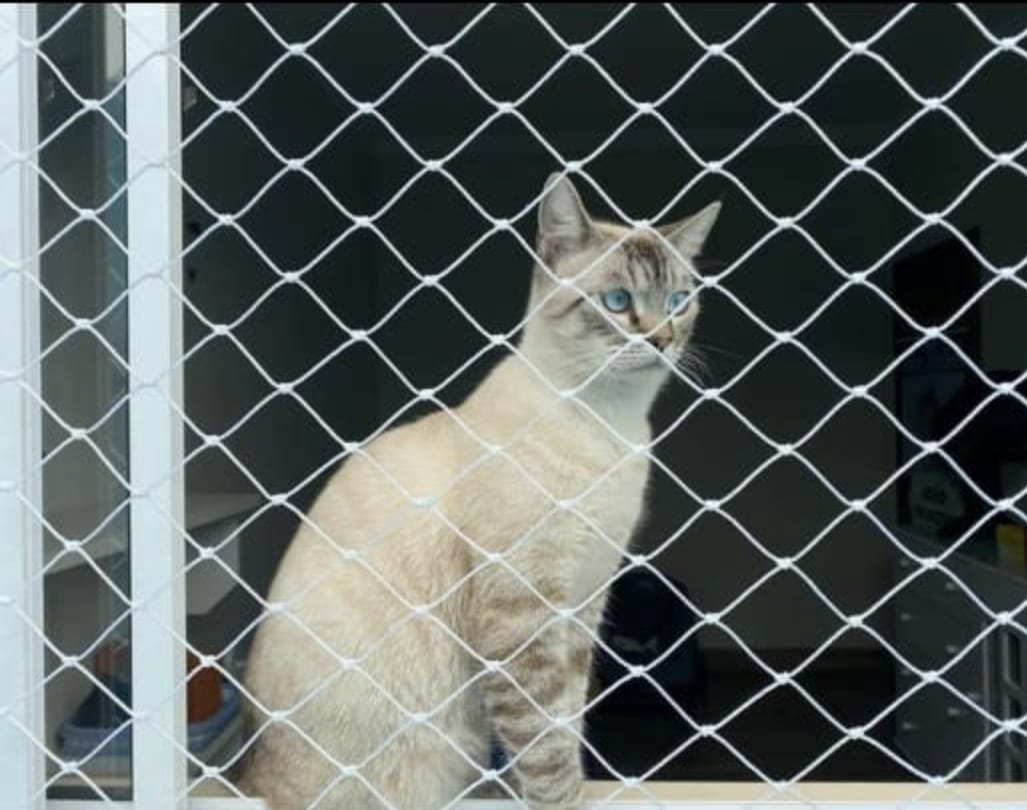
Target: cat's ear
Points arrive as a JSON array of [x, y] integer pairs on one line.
[[563, 223], [689, 234]]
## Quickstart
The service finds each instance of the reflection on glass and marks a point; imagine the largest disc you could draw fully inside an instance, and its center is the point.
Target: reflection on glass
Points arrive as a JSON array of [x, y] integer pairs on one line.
[[84, 386]]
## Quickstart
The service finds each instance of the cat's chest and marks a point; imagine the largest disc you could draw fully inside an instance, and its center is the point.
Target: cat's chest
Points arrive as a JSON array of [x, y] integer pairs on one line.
[[606, 482], [609, 515], [615, 497]]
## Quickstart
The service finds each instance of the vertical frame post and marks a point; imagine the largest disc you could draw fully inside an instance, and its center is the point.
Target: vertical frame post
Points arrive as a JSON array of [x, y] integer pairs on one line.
[[153, 124], [21, 541]]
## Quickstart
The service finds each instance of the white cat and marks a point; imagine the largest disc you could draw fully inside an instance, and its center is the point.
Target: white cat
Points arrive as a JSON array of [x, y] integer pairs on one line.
[[456, 576]]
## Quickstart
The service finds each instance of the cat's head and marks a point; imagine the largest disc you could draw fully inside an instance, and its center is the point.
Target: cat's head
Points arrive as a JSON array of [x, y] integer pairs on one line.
[[623, 302]]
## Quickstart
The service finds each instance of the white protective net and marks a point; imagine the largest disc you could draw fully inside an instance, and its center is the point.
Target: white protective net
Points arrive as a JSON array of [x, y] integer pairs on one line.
[[320, 140]]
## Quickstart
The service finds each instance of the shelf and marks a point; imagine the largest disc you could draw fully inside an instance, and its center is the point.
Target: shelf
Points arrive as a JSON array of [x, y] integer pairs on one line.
[[205, 508], [980, 553], [202, 510]]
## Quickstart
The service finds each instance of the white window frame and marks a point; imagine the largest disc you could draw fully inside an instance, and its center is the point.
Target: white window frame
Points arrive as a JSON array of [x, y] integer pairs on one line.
[[156, 439], [21, 598], [153, 124]]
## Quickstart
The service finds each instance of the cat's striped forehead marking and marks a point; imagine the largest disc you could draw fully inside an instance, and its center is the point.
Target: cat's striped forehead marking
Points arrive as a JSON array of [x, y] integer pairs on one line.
[[637, 261], [640, 259], [646, 263]]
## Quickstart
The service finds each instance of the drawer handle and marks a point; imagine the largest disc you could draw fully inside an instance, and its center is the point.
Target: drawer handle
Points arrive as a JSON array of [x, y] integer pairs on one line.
[[905, 617], [907, 726], [953, 712], [952, 649], [951, 587], [906, 673], [904, 563], [974, 696]]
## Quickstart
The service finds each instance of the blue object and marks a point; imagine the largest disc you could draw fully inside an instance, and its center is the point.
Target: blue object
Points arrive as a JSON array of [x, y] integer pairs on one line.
[[498, 758], [84, 734]]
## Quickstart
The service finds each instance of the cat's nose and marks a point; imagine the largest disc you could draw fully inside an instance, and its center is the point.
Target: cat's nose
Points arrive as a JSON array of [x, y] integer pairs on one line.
[[660, 339]]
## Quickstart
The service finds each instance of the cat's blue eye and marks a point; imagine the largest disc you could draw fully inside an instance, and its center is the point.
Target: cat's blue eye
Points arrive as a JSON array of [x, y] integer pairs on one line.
[[617, 300], [676, 302]]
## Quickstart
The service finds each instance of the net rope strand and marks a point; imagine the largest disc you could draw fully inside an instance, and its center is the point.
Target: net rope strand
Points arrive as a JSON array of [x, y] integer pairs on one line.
[[781, 109]]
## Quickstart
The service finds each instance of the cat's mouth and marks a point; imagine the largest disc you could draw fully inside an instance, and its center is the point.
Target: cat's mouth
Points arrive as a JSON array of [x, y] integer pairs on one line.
[[645, 358]]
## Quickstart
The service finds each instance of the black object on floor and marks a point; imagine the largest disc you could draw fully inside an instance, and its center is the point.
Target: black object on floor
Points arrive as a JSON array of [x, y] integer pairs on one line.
[[779, 736]]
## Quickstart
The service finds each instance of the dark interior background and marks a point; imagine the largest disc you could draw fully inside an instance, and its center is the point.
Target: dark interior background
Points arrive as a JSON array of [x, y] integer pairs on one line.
[[493, 164]]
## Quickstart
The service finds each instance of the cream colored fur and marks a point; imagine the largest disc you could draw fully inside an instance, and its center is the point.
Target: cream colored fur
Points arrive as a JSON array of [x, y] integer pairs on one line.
[[560, 502]]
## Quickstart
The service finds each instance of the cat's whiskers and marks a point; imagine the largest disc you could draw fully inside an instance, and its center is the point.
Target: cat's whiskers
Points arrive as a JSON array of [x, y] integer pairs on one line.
[[694, 365], [709, 347]]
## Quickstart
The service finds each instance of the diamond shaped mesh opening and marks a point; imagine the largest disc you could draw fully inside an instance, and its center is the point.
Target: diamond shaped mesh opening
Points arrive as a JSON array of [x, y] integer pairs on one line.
[[829, 599]]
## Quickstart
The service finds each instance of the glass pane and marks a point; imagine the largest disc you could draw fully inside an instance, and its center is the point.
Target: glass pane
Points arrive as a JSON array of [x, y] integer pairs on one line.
[[85, 408]]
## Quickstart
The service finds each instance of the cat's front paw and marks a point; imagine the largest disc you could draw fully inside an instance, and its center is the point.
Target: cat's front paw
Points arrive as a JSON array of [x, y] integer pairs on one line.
[[575, 801], [574, 804]]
